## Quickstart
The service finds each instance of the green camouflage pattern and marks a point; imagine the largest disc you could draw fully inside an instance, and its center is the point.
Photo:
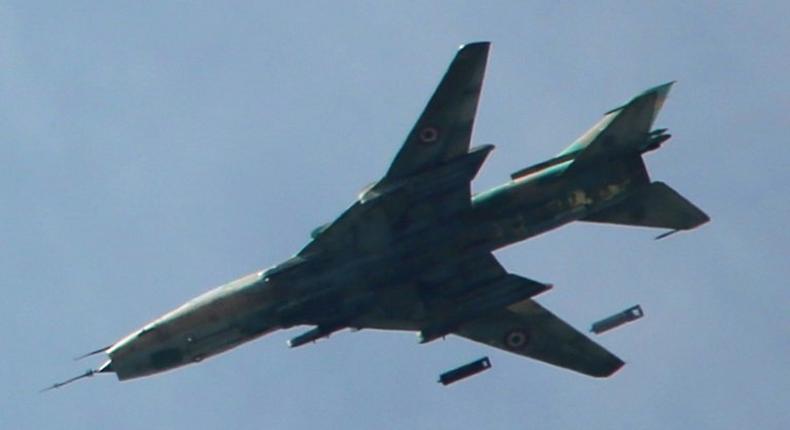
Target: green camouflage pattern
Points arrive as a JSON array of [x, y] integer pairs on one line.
[[414, 251]]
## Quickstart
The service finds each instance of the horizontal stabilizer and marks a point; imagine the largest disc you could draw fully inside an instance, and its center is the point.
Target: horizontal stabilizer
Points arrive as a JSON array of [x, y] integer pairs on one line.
[[656, 205]]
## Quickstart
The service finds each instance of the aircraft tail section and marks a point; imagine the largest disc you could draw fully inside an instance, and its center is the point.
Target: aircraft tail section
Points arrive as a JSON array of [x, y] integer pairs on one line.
[[654, 205], [623, 130]]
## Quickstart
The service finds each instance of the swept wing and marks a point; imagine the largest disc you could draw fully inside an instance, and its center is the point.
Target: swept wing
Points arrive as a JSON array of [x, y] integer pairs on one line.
[[477, 299], [430, 176], [528, 329], [444, 129]]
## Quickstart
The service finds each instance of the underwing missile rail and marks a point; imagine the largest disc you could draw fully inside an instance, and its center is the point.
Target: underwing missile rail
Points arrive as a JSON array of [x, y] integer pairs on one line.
[[314, 334]]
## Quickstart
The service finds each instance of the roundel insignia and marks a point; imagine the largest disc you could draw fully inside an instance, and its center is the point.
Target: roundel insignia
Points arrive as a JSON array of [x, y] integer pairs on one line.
[[516, 339], [429, 135]]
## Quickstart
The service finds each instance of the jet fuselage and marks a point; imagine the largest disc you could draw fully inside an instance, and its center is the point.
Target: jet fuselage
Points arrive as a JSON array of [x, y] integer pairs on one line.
[[342, 290], [414, 251]]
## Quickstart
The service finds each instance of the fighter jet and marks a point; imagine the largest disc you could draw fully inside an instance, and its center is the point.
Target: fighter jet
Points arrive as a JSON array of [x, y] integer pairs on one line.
[[414, 251]]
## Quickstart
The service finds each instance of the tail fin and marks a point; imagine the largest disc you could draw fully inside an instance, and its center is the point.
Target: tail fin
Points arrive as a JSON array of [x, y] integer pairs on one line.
[[623, 130], [655, 205]]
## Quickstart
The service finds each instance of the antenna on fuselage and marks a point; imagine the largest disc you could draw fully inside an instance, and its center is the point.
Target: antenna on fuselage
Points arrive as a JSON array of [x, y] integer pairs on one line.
[[98, 351], [104, 368], [87, 374]]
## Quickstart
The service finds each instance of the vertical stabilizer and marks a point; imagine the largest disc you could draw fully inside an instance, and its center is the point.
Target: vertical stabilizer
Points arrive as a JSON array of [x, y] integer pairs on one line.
[[623, 130]]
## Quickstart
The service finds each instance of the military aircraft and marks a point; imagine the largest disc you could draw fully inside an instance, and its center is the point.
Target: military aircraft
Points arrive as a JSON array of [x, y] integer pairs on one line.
[[414, 251]]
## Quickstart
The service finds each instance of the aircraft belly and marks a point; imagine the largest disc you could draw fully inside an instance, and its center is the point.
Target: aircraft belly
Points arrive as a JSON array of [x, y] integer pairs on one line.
[[414, 251], [527, 209], [388, 277]]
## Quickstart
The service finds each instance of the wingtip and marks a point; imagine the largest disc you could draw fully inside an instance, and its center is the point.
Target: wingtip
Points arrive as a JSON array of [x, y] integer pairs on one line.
[[475, 51], [608, 369], [614, 369], [479, 43], [474, 46]]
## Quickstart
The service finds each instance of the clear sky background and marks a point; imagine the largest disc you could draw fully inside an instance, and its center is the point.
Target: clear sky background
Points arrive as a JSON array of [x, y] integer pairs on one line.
[[149, 152]]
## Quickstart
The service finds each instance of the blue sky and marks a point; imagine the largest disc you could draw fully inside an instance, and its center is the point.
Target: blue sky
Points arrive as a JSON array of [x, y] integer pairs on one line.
[[149, 152]]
